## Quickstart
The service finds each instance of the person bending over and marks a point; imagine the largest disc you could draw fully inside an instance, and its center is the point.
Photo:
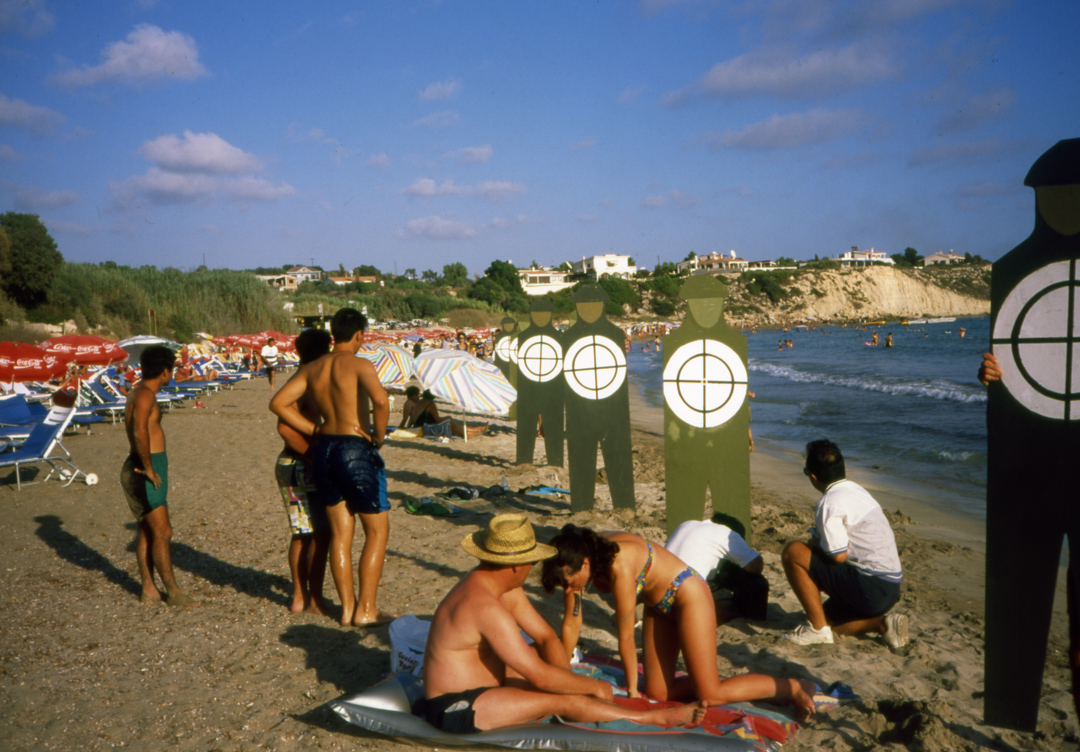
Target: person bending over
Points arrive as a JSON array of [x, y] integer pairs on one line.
[[719, 553], [479, 673], [679, 616], [851, 556]]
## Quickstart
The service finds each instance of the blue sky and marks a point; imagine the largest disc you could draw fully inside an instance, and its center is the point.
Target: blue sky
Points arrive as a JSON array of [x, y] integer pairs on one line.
[[413, 134]]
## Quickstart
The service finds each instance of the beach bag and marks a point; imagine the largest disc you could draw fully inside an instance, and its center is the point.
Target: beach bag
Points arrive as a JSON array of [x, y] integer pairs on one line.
[[408, 640]]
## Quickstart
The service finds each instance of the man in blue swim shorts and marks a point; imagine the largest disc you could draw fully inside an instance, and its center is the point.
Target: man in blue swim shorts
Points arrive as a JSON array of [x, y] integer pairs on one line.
[[346, 467], [145, 477]]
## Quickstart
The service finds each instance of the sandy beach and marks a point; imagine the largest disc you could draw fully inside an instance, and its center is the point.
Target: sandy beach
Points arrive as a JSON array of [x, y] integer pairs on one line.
[[84, 665]]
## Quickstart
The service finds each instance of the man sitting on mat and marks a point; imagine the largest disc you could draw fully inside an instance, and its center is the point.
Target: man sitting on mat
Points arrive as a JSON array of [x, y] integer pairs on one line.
[[480, 674]]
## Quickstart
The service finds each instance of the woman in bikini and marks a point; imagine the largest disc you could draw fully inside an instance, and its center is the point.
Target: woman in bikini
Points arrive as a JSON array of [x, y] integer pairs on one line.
[[679, 616]]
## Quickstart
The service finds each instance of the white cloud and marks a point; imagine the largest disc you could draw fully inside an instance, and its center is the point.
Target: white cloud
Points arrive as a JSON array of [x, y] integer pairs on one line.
[[584, 145], [674, 197], [436, 228], [493, 190], [149, 54], [630, 94], [778, 73], [26, 17], [443, 119], [22, 114], [498, 190], [28, 198], [471, 154], [977, 110], [379, 161], [441, 90], [503, 223], [969, 151], [816, 126], [199, 152], [654, 202], [164, 188], [425, 187], [7, 154]]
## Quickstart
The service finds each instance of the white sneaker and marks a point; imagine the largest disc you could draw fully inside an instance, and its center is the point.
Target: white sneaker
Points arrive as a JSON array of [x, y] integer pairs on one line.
[[807, 635], [896, 631]]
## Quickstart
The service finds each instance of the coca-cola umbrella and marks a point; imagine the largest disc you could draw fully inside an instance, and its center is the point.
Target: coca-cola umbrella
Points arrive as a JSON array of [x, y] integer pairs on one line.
[[22, 362], [85, 349]]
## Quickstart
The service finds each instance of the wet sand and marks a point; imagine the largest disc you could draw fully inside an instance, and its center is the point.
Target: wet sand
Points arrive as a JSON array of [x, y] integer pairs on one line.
[[84, 665]]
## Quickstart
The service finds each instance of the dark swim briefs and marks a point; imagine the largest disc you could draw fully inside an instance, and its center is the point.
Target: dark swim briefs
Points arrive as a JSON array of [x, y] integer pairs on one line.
[[452, 712], [349, 468], [142, 497]]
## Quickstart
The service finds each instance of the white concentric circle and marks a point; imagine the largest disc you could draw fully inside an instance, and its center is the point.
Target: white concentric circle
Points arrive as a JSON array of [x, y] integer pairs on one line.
[[540, 358], [1037, 341], [504, 348], [705, 383], [595, 367]]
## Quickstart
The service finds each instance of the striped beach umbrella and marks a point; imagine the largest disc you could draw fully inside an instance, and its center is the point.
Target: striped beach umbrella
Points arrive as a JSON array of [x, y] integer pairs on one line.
[[393, 364], [465, 380]]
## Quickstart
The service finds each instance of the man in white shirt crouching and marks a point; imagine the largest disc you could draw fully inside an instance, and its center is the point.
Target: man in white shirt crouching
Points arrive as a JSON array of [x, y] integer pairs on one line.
[[851, 556]]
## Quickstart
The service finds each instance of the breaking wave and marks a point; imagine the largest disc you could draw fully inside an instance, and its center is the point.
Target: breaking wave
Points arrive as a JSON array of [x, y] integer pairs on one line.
[[934, 390]]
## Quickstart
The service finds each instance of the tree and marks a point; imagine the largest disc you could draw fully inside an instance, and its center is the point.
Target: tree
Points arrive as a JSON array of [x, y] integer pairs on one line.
[[366, 270], [34, 257], [565, 266], [908, 259], [410, 273], [631, 261], [786, 261], [429, 275], [665, 268], [455, 274], [690, 256], [501, 286], [5, 253]]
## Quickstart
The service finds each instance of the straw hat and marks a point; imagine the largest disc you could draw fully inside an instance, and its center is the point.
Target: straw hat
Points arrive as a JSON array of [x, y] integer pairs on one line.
[[509, 539]]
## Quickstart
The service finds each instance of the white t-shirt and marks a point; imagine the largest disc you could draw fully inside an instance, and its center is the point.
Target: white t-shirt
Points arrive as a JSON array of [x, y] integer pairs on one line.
[[705, 545], [269, 354], [849, 519]]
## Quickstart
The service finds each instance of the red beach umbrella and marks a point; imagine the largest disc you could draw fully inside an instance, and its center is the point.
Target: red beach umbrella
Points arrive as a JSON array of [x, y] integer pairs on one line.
[[84, 349], [22, 362]]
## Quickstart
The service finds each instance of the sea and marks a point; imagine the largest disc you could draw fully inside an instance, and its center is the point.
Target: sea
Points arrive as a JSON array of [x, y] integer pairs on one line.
[[913, 413]]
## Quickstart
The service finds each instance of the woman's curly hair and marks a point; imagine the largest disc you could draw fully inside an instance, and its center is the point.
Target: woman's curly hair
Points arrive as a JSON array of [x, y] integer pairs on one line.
[[574, 544]]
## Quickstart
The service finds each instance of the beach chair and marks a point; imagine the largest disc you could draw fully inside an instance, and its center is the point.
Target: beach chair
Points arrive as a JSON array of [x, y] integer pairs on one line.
[[16, 412], [44, 438]]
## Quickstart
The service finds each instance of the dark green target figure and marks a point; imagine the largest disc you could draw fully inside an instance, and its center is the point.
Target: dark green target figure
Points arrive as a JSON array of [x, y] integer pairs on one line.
[[505, 347], [540, 386], [1033, 431], [706, 414], [597, 403]]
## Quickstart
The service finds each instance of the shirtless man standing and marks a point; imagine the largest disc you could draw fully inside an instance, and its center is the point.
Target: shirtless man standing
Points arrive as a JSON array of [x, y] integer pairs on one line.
[[346, 466], [480, 674], [145, 477]]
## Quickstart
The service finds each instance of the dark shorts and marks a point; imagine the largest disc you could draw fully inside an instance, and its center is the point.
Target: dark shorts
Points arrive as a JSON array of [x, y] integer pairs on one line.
[[141, 495], [452, 712], [269, 369], [853, 593], [349, 468]]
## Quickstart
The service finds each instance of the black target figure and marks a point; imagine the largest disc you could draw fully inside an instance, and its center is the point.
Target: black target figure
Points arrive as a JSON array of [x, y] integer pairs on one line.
[[540, 386], [597, 403], [1033, 426]]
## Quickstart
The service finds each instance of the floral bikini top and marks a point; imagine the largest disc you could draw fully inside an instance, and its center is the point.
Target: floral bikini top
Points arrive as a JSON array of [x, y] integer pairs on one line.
[[645, 571]]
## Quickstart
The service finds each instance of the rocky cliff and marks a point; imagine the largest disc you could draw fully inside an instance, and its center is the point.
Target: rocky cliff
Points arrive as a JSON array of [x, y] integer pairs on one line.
[[877, 292]]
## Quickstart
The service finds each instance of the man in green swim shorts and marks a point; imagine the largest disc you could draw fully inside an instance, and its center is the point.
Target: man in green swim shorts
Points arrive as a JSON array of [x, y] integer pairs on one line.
[[145, 477]]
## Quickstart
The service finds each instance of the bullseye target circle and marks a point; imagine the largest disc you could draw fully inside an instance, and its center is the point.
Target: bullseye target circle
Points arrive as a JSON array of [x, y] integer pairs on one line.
[[1037, 341], [595, 367], [505, 349], [705, 383], [540, 358]]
